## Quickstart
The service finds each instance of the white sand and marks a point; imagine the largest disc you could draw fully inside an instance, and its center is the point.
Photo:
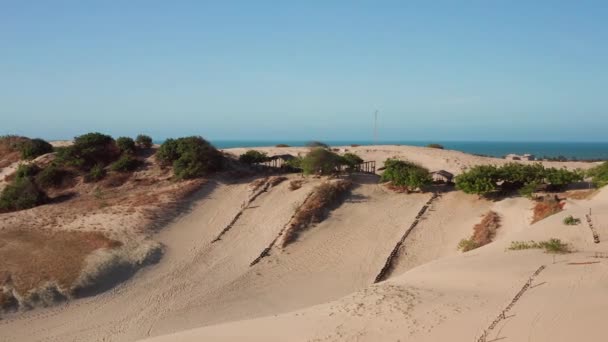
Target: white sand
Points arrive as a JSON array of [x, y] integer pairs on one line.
[[319, 288]]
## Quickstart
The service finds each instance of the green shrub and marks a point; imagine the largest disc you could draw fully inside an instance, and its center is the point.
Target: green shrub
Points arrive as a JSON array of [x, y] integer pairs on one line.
[[95, 174], [26, 170], [560, 178], [529, 189], [321, 161], [51, 176], [351, 161], [466, 245], [480, 179], [31, 149], [126, 163], [143, 141], [435, 146], [550, 246], [191, 157], [599, 174], [571, 221], [253, 157], [315, 144], [282, 145], [21, 194], [406, 174], [125, 144], [89, 150]]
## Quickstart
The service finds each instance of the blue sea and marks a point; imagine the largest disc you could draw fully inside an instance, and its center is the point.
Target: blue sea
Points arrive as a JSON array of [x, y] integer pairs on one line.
[[570, 150]]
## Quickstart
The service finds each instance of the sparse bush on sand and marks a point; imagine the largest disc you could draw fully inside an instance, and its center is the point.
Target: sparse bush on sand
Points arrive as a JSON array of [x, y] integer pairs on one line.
[[550, 246], [52, 176], [405, 174], [143, 141], [191, 157], [599, 175], [571, 221], [320, 161], [22, 193], [96, 173], [438, 146], [295, 184], [89, 150], [316, 208], [126, 145], [126, 163], [483, 232], [31, 149], [546, 207], [253, 157]]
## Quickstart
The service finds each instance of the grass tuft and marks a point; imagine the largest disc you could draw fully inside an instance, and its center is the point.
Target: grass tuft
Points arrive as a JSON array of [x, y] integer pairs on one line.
[[550, 246]]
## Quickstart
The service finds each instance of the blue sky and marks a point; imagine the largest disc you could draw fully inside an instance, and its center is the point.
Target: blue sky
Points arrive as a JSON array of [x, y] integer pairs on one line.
[[435, 70]]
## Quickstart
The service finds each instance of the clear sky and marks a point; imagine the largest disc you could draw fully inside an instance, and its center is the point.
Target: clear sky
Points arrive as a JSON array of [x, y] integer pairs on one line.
[[443, 70]]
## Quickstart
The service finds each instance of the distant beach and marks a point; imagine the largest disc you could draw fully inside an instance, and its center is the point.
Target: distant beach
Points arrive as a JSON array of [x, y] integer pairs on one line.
[[570, 150]]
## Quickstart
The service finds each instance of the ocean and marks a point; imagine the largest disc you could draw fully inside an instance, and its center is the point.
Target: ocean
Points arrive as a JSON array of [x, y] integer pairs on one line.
[[570, 150]]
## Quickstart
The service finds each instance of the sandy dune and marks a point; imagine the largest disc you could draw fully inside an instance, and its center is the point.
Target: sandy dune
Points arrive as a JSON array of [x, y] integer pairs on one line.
[[320, 287]]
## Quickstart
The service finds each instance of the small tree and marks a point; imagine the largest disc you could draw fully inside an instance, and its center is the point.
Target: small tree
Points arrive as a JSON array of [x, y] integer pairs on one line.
[[89, 150], [480, 180], [191, 157], [350, 160], [320, 160], [405, 173], [253, 157], [31, 149], [143, 141], [126, 145]]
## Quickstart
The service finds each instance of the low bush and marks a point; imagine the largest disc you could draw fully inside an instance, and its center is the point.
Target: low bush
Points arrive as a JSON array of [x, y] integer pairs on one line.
[[282, 145], [31, 149], [126, 163], [351, 161], [143, 141], [26, 170], [483, 232], [599, 174], [320, 161], [571, 221], [550, 246], [253, 157], [438, 146], [95, 174], [405, 174], [21, 193], [89, 150], [316, 208], [51, 176], [126, 145], [191, 157]]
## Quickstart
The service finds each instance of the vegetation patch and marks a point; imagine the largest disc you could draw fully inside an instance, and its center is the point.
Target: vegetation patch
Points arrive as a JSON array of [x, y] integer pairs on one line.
[[10, 149], [191, 157], [295, 184], [599, 174], [282, 145], [89, 150], [550, 246], [571, 221], [315, 209], [143, 141], [126, 145], [438, 146], [23, 192], [126, 163], [253, 157], [315, 144], [405, 174], [320, 161], [546, 207], [33, 148], [31, 259], [483, 232], [486, 179]]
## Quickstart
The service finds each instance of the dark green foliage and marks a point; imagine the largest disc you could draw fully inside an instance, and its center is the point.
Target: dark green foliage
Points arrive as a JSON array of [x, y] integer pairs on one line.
[[435, 146], [350, 160], [315, 144], [89, 150], [143, 141], [571, 221], [295, 163], [191, 157], [95, 174], [484, 179], [320, 161], [126, 163], [31, 149], [21, 194], [253, 157], [405, 173], [51, 176], [599, 174], [125, 144], [282, 145], [26, 170]]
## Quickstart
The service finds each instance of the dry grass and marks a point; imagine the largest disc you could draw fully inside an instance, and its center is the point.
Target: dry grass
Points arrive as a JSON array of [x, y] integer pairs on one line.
[[295, 184], [316, 208], [31, 258], [397, 188], [276, 180], [9, 153], [483, 232], [546, 208]]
